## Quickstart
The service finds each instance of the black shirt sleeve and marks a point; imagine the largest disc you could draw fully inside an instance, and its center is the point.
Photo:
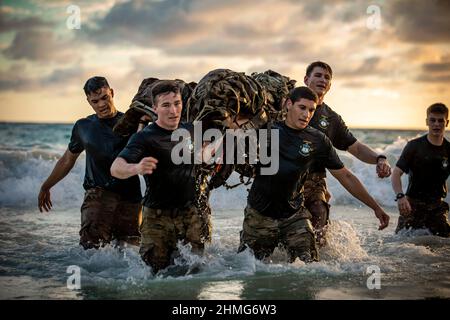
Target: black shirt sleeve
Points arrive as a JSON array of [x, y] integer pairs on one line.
[[76, 144], [136, 149], [344, 138], [406, 157], [328, 156]]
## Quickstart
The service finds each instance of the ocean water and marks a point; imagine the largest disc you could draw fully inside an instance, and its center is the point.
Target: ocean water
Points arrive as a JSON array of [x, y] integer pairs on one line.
[[38, 252]]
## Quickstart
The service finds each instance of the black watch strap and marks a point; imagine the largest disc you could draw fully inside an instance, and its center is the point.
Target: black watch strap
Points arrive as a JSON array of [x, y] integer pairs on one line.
[[381, 156], [399, 196]]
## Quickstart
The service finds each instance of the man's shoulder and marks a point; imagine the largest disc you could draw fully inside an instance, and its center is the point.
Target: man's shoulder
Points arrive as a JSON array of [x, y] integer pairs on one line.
[[446, 145], [446, 142], [327, 110], [417, 141], [315, 132], [86, 120]]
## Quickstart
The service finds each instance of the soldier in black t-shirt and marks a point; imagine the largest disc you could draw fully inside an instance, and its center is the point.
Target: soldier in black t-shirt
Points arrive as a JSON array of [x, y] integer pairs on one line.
[[426, 160], [171, 212], [318, 78], [111, 207], [275, 211]]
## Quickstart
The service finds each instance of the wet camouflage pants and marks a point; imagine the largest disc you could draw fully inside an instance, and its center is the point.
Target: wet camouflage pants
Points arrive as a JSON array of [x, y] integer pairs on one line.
[[433, 216], [262, 234], [105, 217], [316, 201], [161, 229]]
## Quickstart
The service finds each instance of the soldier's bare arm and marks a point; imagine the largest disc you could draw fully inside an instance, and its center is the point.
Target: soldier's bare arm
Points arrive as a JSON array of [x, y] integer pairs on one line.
[[350, 182], [61, 169], [121, 169], [367, 155], [403, 204]]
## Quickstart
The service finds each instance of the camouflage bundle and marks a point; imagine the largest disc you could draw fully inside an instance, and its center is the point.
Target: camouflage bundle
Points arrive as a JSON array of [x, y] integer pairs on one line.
[[142, 104], [222, 95], [277, 89]]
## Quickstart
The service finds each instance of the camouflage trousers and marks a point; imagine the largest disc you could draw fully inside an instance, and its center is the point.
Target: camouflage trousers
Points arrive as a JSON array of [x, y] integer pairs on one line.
[[161, 229], [433, 216], [295, 233], [316, 201], [105, 217]]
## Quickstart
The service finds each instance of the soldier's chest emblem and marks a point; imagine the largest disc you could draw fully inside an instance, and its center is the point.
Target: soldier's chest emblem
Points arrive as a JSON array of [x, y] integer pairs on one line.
[[444, 162], [323, 122], [306, 148]]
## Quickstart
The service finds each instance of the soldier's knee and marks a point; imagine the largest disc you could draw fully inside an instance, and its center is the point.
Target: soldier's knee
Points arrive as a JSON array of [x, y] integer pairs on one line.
[[156, 259], [260, 252], [318, 207], [319, 211], [94, 236], [156, 263]]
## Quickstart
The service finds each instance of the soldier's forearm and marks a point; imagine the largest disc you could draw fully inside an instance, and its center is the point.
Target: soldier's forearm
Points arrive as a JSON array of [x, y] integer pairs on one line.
[[352, 184], [396, 181], [61, 169], [363, 152], [122, 170]]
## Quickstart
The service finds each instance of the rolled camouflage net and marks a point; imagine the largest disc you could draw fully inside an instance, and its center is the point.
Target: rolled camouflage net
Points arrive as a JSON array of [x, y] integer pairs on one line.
[[277, 89], [142, 104], [222, 94]]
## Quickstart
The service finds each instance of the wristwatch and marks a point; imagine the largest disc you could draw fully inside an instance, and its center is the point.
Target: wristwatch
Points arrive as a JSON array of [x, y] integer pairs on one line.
[[399, 196], [381, 156]]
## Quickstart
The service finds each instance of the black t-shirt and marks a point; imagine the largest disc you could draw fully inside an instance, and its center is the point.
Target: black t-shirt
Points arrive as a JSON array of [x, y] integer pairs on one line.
[[428, 168], [102, 146], [330, 123], [170, 185], [279, 195]]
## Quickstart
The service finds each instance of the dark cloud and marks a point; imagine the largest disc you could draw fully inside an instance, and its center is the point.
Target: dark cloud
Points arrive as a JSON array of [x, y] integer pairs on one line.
[[8, 23], [313, 10], [436, 72], [420, 21], [17, 78], [145, 23], [61, 77], [40, 45], [339, 10], [436, 67], [368, 67], [445, 78]]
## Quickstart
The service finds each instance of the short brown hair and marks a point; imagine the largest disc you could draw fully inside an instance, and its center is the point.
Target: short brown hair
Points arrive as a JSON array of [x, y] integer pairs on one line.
[[320, 64], [164, 87], [302, 93], [438, 108], [94, 84]]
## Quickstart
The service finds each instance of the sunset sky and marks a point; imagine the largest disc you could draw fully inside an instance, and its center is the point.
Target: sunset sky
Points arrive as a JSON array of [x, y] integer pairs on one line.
[[391, 59]]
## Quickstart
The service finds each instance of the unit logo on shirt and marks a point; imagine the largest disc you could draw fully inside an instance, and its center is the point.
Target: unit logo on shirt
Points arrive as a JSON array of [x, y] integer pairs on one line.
[[444, 162], [306, 148], [323, 122]]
